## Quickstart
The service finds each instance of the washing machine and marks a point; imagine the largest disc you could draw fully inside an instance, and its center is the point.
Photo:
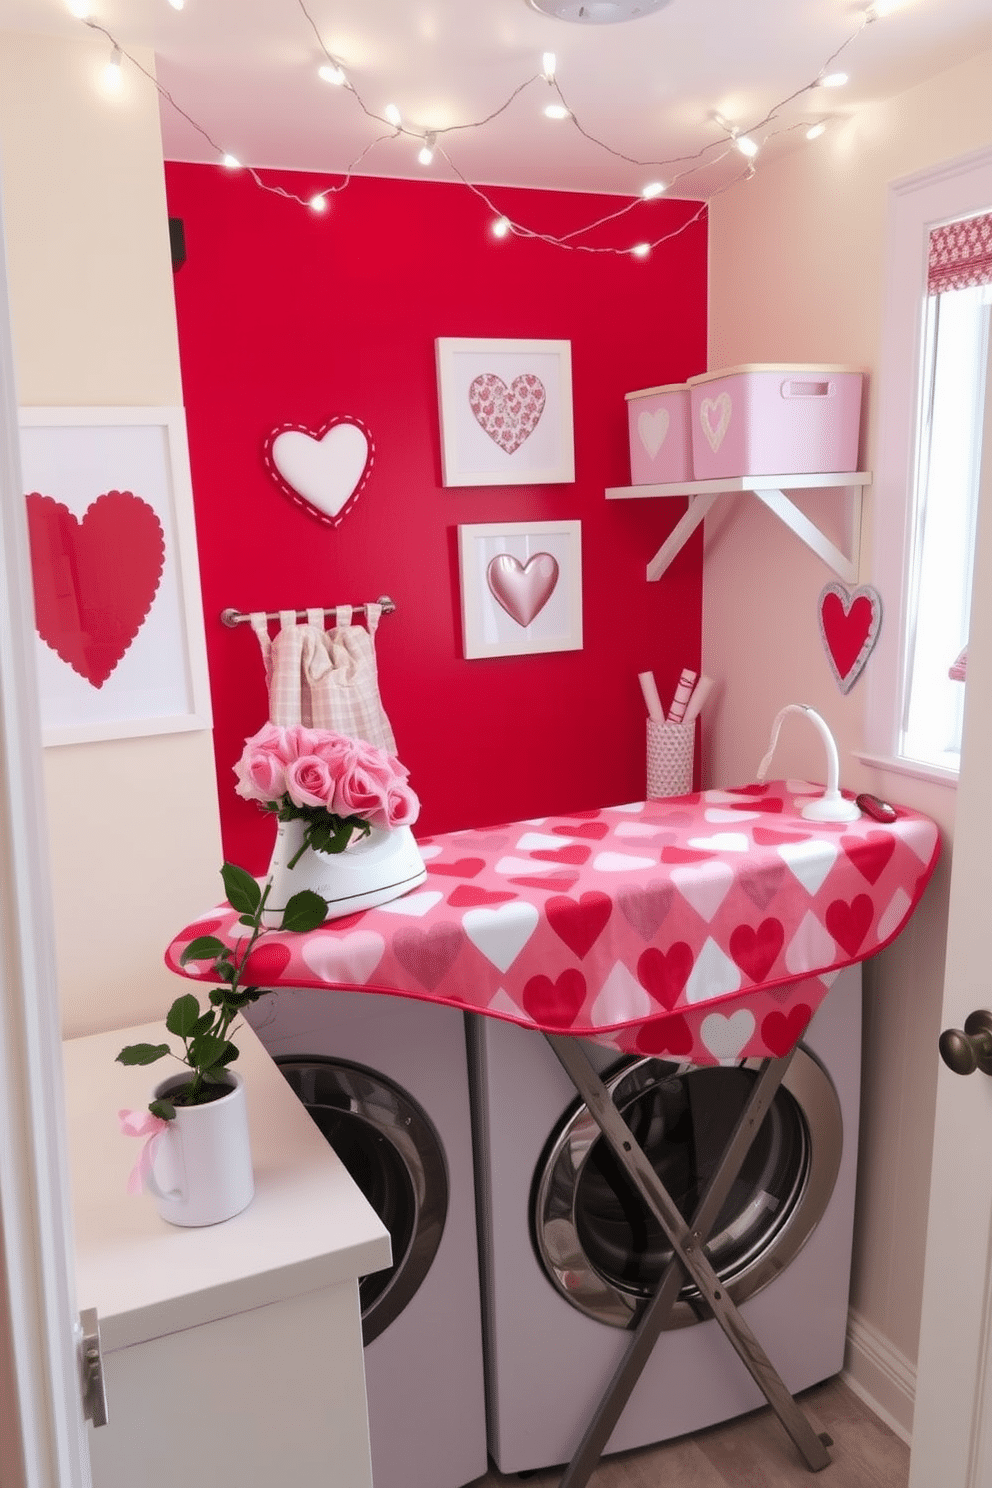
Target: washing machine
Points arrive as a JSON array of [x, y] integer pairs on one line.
[[569, 1253], [386, 1080]]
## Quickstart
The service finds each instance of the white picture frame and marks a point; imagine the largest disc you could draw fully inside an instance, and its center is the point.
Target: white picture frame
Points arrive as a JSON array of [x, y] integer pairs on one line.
[[505, 409], [71, 460], [521, 587]]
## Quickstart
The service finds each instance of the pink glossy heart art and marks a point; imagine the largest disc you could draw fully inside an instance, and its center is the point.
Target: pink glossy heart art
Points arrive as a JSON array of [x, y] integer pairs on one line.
[[522, 589], [509, 415]]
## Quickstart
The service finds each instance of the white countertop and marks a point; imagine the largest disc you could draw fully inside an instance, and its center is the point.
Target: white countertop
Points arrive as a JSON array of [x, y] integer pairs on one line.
[[308, 1226]]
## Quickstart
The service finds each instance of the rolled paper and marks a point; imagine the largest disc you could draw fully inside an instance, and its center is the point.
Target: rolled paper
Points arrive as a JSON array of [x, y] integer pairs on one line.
[[700, 693], [676, 712], [651, 698]]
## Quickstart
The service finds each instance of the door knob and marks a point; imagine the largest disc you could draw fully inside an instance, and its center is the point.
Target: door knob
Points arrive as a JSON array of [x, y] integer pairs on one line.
[[965, 1052]]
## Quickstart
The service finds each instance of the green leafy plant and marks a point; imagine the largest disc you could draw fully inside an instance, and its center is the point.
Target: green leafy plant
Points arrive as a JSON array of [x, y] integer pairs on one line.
[[205, 1033]]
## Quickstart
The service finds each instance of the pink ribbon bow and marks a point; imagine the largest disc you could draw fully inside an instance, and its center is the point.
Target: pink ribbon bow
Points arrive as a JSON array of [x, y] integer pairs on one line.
[[141, 1124]]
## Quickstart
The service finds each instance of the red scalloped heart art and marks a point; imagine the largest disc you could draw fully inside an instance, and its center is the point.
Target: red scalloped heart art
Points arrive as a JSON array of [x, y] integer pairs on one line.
[[95, 578], [849, 626]]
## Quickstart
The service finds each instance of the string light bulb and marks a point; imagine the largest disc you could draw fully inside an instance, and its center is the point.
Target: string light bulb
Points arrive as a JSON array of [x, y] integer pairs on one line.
[[177, 4], [426, 154], [78, 8], [641, 250], [330, 72], [556, 111], [833, 80], [815, 130], [319, 202], [501, 227], [549, 62], [653, 189], [747, 146], [231, 161], [392, 115], [113, 77]]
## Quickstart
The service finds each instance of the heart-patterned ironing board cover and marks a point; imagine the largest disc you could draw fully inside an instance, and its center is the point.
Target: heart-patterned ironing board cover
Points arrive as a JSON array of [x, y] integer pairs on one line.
[[708, 926]]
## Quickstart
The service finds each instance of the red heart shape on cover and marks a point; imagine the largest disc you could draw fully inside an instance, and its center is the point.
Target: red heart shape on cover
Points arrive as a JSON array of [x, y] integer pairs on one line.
[[774, 803], [664, 974], [555, 1004], [461, 868], [428, 955], [522, 589], [849, 626], [94, 579], [782, 1031], [755, 951], [754, 789], [579, 923], [574, 854], [646, 907], [869, 854], [266, 963], [850, 923], [561, 884], [762, 884], [665, 1036], [769, 837], [685, 855], [593, 829], [509, 415], [468, 896]]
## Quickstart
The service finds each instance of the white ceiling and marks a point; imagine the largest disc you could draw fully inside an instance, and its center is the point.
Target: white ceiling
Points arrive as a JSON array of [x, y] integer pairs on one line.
[[245, 72]]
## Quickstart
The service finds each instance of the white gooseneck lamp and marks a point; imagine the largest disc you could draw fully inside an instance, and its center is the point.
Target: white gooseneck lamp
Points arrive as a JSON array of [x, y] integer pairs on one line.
[[831, 806]]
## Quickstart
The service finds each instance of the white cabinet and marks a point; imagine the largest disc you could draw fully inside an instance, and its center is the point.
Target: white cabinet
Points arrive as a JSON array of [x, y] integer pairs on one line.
[[232, 1353], [771, 490]]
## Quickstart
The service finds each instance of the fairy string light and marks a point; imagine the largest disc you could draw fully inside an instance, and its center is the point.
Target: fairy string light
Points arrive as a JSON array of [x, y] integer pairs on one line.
[[678, 169]]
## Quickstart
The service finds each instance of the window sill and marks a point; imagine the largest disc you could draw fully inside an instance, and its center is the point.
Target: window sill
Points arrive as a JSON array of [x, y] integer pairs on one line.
[[916, 768]]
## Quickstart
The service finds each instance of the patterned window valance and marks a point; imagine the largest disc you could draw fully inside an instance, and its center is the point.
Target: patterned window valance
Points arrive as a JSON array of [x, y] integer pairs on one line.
[[960, 254]]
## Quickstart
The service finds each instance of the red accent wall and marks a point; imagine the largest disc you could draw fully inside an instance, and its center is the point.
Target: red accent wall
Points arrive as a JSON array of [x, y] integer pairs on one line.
[[287, 316]]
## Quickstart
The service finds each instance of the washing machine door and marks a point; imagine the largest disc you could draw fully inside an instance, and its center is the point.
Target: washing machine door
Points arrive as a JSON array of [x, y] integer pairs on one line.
[[602, 1248], [392, 1151]]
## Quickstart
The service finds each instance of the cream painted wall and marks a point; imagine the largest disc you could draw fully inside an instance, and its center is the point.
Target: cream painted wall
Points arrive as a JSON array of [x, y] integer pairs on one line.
[[135, 837], [797, 271]]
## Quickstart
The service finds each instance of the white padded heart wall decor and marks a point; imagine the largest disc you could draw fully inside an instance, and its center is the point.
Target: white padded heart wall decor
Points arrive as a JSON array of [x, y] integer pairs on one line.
[[323, 471]]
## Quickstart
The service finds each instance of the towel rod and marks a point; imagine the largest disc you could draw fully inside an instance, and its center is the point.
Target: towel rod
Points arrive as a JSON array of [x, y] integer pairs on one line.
[[237, 617]]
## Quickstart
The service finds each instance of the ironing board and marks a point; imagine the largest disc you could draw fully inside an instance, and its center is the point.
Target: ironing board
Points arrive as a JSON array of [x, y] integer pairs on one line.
[[707, 927]]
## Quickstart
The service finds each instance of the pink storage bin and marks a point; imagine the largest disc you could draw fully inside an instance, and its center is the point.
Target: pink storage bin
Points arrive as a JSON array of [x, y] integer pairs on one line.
[[775, 420], [660, 440]]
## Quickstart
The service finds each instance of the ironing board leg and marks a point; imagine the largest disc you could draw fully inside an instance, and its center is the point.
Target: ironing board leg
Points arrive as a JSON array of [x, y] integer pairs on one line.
[[688, 1241]]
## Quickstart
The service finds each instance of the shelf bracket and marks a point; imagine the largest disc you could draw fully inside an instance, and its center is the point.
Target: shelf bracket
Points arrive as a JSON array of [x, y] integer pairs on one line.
[[680, 534], [843, 564]]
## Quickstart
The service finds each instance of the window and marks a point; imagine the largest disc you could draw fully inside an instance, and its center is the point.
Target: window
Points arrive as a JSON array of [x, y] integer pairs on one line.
[[933, 388]]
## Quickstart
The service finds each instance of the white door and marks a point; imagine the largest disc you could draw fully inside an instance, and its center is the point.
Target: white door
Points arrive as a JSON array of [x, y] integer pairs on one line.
[[952, 1428], [40, 1315]]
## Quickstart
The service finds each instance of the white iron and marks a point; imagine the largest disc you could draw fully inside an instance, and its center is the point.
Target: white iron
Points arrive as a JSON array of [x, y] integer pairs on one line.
[[372, 870], [831, 806]]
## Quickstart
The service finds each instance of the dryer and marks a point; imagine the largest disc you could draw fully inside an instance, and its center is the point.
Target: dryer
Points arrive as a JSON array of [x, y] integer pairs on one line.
[[386, 1079], [569, 1254]]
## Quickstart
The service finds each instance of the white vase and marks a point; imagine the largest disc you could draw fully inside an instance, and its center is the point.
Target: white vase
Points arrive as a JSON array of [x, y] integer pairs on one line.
[[372, 870], [201, 1171]]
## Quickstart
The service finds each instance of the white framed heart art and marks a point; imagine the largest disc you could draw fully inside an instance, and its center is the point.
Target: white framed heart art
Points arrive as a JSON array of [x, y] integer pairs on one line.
[[505, 412], [322, 470], [521, 587]]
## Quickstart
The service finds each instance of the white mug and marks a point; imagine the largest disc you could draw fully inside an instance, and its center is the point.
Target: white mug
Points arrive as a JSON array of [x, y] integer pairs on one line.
[[201, 1170]]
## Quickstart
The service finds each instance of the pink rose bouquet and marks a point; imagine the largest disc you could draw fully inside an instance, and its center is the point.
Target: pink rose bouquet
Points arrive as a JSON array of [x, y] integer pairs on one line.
[[336, 784]]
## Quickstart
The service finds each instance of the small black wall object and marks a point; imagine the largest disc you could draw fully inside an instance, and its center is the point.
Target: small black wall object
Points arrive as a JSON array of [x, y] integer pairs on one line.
[[177, 242]]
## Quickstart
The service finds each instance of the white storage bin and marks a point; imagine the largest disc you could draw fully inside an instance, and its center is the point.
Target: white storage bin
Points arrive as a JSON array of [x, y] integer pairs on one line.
[[660, 438], [775, 420]]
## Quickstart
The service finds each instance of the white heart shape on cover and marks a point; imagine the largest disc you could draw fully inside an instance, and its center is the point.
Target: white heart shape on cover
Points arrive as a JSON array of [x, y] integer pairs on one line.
[[893, 915], [501, 934], [809, 861], [653, 429], [430, 850], [921, 836], [722, 842], [712, 975], [714, 814], [343, 958], [502, 1002], [537, 841], [414, 905], [612, 862], [637, 829], [828, 978], [621, 999], [324, 471], [725, 798], [704, 885], [725, 1036], [513, 867], [714, 415], [634, 807], [811, 946], [802, 788]]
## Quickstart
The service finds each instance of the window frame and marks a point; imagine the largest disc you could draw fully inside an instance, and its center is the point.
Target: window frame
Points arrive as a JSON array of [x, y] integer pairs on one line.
[[917, 203]]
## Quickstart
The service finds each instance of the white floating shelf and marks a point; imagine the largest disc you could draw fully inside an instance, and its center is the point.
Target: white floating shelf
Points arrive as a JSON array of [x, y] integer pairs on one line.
[[771, 490]]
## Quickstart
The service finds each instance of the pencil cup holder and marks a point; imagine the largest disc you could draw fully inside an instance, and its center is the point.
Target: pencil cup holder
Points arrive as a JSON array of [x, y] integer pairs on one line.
[[670, 752]]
